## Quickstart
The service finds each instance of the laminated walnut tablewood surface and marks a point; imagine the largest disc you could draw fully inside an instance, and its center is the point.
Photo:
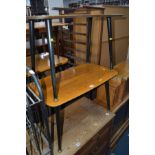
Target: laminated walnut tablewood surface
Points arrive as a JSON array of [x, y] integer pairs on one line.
[[42, 65], [74, 82]]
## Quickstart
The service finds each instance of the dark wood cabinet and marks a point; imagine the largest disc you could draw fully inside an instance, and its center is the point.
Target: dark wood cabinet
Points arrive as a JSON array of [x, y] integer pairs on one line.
[[99, 143]]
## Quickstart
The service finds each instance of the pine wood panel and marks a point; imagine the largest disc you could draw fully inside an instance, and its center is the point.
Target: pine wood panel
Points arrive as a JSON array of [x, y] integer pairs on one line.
[[96, 33], [119, 86], [120, 49], [123, 69]]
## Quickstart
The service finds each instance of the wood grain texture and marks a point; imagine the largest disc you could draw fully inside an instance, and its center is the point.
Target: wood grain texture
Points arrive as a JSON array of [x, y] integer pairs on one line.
[[120, 36], [99, 41], [43, 65], [119, 86], [95, 36], [123, 69], [99, 44], [75, 82]]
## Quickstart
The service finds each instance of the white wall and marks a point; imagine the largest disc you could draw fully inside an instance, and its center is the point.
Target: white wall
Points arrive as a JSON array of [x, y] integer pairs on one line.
[[67, 2], [54, 3]]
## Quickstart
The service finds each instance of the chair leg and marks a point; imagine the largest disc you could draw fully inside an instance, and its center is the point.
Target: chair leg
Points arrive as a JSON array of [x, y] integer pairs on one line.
[[59, 122], [32, 43], [107, 95]]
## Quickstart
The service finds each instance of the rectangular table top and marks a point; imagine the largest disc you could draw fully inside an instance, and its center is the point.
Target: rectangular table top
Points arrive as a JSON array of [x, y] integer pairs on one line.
[[74, 82]]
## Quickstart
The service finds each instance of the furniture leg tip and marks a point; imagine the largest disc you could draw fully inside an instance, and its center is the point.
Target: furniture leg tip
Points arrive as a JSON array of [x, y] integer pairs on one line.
[[55, 100], [107, 113], [60, 151]]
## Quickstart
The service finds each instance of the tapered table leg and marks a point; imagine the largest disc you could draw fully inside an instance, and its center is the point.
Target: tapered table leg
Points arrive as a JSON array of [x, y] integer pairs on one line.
[[107, 95], [59, 122]]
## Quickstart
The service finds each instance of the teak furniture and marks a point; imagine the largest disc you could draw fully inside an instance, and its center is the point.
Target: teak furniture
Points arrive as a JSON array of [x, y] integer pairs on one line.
[[62, 88], [100, 47], [75, 82]]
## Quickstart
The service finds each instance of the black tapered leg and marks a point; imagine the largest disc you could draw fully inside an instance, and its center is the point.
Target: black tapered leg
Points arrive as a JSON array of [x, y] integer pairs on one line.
[[109, 25], [59, 123], [62, 121], [51, 56], [89, 28], [32, 44], [107, 95], [52, 128]]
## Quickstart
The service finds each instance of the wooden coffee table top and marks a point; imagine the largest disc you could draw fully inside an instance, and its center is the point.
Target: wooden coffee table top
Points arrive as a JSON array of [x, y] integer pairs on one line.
[[74, 82]]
